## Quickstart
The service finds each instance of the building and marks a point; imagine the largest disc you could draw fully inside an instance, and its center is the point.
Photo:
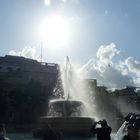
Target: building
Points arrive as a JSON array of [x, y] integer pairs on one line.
[[19, 71], [25, 86]]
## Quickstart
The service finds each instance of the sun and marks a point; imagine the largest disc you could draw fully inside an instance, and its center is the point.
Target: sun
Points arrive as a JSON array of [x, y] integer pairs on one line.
[[55, 31]]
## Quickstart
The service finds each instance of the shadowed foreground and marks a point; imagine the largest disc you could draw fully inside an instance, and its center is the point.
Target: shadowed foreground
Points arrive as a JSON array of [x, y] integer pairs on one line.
[[28, 136]]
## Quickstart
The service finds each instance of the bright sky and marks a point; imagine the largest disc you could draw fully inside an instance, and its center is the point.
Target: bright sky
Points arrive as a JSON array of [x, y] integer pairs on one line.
[[106, 31]]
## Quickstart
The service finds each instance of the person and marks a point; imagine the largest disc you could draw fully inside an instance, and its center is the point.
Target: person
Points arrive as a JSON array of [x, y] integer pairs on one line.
[[132, 133], [3, 133], [104, 132], [132, 127]]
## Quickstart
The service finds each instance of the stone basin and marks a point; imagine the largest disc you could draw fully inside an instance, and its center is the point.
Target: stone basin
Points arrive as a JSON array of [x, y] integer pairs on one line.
[[67, 117]]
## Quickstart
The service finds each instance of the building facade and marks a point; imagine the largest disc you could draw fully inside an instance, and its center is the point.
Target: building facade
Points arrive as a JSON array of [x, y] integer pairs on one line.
[[19, 71]]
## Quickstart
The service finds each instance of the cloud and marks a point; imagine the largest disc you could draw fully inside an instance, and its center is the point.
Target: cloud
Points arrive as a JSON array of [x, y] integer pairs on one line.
[[107, 72], [133, 65], [28, 52], [106, 53]]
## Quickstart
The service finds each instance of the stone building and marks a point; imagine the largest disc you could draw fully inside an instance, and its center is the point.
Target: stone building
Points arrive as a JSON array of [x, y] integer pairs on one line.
[[25, 88], [19, 71]]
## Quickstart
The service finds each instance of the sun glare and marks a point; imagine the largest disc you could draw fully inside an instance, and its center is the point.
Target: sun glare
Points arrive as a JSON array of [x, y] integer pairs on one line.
[[55, 31], [47, 2]]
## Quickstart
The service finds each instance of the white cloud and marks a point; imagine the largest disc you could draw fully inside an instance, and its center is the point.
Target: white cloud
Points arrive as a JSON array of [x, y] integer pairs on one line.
[[133, 65], [106, 53], [28, 52], [121, 66], [108, 73], [12, 52], [134, 68]]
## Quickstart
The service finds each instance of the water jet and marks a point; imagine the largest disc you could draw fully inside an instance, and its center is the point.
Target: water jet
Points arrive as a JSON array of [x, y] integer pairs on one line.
[[68, 116]]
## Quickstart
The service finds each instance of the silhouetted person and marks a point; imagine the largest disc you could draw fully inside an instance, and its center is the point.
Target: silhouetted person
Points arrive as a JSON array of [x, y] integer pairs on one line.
[[3, 133], [133, 127], [132, 133], [104, 132]]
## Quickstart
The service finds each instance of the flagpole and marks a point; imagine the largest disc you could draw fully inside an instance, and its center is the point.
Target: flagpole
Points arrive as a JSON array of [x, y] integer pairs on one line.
[[41, 50]]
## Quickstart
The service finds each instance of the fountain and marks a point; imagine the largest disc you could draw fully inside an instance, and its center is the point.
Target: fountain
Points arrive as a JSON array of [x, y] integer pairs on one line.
[[66, 115]]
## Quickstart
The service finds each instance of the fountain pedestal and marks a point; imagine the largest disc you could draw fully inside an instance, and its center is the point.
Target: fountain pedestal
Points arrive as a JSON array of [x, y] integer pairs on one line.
[[67, 117]]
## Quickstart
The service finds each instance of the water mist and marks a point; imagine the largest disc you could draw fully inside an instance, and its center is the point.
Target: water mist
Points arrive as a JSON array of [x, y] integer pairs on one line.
[[75, 87]]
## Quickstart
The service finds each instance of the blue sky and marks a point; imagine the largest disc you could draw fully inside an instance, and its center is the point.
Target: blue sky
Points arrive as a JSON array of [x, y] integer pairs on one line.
[[94, 23]]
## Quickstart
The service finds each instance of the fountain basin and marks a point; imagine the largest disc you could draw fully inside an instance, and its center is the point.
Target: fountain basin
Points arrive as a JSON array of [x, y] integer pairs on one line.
[[65, 116]]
